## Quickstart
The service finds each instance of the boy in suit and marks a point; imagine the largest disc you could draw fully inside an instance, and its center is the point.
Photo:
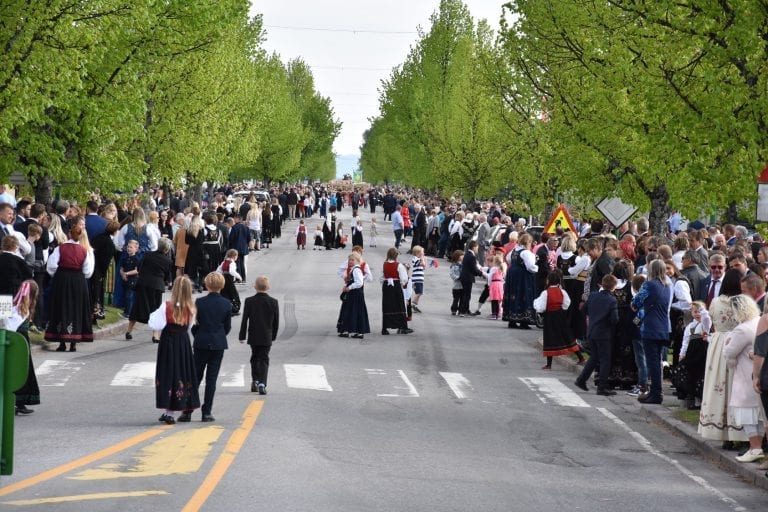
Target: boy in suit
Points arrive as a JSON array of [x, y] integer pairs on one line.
[[261, 319], [213, 323], [602, 311]]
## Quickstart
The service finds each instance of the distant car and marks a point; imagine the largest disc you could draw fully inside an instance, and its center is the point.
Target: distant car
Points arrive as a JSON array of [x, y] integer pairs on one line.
[[260, 195]]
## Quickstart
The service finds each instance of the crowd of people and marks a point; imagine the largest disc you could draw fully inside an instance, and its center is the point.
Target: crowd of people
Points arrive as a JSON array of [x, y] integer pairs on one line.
[[685, 304]]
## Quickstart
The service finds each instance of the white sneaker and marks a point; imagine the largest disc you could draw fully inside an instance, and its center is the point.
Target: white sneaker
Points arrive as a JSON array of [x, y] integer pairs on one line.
[[751, 455]]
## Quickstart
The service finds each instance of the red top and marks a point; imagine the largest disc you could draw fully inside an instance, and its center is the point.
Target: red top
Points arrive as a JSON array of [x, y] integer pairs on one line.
[[390, 270], [72, 256], [225, 265], [169, 314], [554, 299]]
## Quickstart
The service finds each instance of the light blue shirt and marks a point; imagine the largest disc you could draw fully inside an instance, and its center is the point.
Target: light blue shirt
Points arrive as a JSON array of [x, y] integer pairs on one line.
[[397, 220], [5, 197]]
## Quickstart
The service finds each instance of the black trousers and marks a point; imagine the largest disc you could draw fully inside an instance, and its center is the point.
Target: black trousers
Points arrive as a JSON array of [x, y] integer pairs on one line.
[[260, 363], [456, 300], [208, 361], [466, 294], [599, 354]]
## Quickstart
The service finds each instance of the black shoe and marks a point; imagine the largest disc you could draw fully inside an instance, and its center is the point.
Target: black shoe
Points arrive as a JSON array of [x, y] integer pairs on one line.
[[262, 389], [357, 336], [512, 325], [72, 347], [581, 385], [254, 386], [384, 332], [404, 331], [415, 308], [61, 348], [476, 313], [648, 399], [155, 340], [525, 327], [207, 418], [168, 420], [185, 417], [23, 409], [605, 392], [343, 335], [128, 336]]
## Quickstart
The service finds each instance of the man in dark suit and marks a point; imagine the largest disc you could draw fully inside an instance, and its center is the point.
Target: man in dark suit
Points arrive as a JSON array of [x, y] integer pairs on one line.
[[602, 311], [710, 287], [239, 239], [752, 285], [261, 319], [469, 270], [95, 224], [213, 323]]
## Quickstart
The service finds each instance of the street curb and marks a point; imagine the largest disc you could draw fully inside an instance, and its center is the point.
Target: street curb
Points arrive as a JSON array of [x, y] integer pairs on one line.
[[98, 334], [707, 449]]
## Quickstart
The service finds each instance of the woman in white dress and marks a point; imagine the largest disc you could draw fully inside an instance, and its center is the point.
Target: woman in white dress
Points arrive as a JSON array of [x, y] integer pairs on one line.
[[743, 401], [715, 422]]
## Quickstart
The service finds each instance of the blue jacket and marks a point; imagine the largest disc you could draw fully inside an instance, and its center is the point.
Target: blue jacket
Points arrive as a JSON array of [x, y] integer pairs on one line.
[[213, 322], [655, 299], [94, 225], [602, 310], [239, 237]]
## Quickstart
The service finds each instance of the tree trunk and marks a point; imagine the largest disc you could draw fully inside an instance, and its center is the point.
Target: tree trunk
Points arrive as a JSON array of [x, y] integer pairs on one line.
[[660, 210], [44, 190], [731, 214]]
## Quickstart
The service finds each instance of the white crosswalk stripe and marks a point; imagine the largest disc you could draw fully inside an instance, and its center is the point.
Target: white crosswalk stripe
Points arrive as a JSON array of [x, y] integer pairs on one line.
[[53, 372], [552, 391], [391, 383], [459, 384], [135, 374], [306, 376]]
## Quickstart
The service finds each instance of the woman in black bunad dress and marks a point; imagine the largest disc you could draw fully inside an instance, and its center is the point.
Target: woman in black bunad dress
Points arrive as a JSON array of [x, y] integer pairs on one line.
[[70, 314], [520, 285], [175, 375], [394, 279], [21, 316], [277, 219], [329, 228], [150, 285], [266, 227], [353, 317], [574, 268]]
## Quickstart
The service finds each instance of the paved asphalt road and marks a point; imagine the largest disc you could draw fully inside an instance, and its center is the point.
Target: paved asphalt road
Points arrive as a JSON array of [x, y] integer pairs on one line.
[[455, 417]]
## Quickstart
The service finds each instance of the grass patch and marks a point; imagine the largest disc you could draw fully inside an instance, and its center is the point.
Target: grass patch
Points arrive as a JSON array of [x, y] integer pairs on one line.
[[686, 416]]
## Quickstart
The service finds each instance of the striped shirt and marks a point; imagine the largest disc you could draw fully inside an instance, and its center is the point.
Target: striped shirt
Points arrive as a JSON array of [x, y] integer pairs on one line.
[[417, 270]]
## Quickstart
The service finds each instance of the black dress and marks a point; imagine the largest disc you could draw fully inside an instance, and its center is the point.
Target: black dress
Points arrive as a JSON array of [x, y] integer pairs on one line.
[[623, 368], [29, 393], [519, 289], [574, 287], [392, 302], [353, 317], [69, 307], [150, 285], [175, 375]]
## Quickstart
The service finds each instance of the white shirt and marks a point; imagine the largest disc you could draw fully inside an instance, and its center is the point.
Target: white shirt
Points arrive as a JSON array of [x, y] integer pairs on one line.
[[682, 292], [153, 233], [357, 279], [24, 246], [540, 303], [342, 270], [53, 261]]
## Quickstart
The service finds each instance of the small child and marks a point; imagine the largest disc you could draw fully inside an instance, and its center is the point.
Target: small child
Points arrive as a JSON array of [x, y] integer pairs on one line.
[[418, 264], [341, 238], [553, 303], [455, 274], [228, 268], [495, 277], [301, 236], [602, 312], [373, 233], [319, 243], [637, 343], [129, 271], [693, 356]]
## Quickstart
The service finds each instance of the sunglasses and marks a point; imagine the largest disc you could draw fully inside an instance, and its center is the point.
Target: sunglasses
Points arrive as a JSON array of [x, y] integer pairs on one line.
[[719, 267]]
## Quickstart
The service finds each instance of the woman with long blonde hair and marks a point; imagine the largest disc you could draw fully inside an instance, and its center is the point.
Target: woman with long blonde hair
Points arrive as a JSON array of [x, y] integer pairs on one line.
[[175, 376]]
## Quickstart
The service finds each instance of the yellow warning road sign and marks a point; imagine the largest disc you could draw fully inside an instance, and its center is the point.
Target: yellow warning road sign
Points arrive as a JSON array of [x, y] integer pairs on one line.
[[559, 219]]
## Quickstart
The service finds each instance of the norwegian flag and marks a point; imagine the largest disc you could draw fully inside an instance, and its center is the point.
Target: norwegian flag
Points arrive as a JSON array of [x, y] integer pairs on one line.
[[433, 263]]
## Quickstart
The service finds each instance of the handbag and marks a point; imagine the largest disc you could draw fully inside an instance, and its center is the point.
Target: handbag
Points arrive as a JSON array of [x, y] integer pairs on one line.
[[343, 296]]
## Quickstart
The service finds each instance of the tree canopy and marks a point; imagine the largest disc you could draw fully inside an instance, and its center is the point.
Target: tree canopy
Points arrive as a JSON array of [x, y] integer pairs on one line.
[[661, 104], [115, 94]]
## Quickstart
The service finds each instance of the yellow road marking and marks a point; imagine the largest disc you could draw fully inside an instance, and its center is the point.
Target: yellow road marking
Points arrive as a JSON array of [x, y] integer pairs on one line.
[[231, 450], [83, 497], [181, 453], [82, 461]]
